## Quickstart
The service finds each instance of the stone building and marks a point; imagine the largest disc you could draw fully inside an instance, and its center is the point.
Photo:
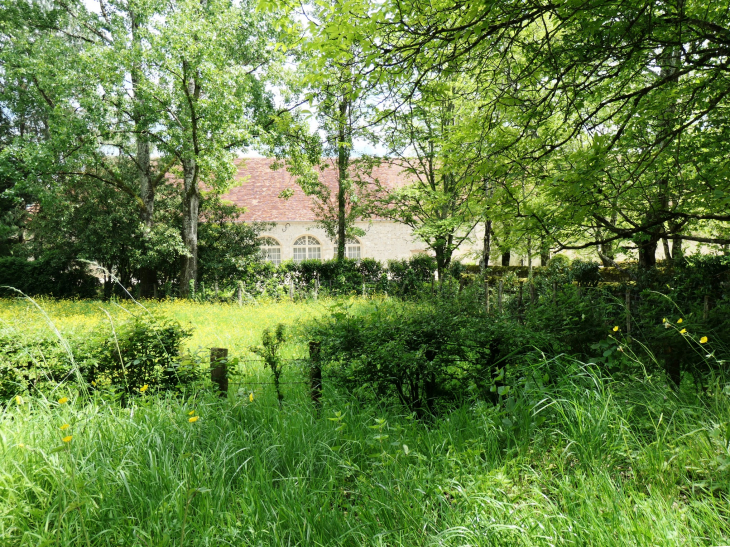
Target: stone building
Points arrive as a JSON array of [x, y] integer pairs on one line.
[[295, 234]]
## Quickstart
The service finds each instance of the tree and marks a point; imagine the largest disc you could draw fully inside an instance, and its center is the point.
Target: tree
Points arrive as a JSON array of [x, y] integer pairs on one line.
[[333, 80], [609, 70], [211, 59], [183, 80], [426, 138]]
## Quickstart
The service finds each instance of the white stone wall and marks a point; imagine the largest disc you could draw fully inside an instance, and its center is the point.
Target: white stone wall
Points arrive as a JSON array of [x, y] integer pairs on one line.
[[385, 240]]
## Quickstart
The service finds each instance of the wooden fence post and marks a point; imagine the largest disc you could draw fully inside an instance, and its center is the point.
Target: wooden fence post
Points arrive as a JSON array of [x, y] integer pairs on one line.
[[499, 295], [486, 295], [315, 374], [219, 369], [239, 293]]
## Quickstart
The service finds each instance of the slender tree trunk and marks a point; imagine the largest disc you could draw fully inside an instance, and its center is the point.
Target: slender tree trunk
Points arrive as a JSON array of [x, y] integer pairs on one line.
[[667, 253], [343, 157], [191, 205], [148, 275], [669, 60], [677, 251], [487, 250]]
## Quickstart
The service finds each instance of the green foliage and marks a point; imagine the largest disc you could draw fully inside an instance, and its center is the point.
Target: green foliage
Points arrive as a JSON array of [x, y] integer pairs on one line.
[[145, 350], [269, 350], [584, 273], [32, 364], [423, 354], [50, 275]]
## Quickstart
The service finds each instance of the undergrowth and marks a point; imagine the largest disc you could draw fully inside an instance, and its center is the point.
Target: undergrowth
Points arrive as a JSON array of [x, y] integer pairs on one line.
[[583, 461], [563, 454]]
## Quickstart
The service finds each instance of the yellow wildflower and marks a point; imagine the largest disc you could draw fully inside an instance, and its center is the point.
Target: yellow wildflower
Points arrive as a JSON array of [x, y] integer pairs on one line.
[[18, 400], [21, 445], [64, 427], [664, 320], [144, 388], [63, 400], [191, 413], [683, 331], [679, 320], [615, 329], [193, 419], [703, 340], [67, 439], [250, 397]]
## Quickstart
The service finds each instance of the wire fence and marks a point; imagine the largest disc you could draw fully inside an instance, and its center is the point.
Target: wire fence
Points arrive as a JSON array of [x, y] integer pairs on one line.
[[237, 376]]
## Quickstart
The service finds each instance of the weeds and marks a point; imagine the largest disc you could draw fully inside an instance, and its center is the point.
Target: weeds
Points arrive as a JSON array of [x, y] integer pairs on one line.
[[568, 455]]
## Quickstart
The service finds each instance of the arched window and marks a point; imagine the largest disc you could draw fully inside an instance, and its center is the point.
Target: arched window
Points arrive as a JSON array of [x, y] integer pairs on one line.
[[306, 248], [352, 248], [270, 250]]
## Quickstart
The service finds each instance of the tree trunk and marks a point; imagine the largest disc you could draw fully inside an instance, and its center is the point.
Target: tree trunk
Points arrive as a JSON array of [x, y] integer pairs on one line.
[[487, 251], [667, 253], [544, 252], [647, 252], [148, 275], [191, 205], [677, 251], [343, 160], [506, 258]]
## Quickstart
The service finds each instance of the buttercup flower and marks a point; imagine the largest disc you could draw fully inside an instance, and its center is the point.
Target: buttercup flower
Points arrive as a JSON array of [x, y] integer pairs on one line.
[[679, 320], [703, 340], [18, 400], [664, 320], [144, 388], [67, 439], [64, 427], [63, 400], [191, 413], [193, 419], [250, 397], [615, 329], [683, 331]]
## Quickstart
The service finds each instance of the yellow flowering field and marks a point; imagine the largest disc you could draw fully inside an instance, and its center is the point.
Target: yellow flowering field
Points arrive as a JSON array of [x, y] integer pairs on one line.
[[213, 324]]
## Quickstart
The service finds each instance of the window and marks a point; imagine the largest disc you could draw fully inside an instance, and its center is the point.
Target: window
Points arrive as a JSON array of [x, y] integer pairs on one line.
[[352, 248], [270, 250], [306, 248]]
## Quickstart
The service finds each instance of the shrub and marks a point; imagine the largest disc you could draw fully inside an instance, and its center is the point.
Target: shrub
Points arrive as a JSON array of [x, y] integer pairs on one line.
[[28, 362], [585, 273], [46, 276], [423, 354], [143, 351]]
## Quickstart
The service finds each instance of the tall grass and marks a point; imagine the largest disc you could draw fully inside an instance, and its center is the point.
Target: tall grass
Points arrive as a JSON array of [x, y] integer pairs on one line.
[[607, 465], [580, 460]]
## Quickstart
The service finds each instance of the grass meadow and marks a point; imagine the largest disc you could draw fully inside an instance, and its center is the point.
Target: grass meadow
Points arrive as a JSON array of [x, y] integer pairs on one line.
[[585, 460]]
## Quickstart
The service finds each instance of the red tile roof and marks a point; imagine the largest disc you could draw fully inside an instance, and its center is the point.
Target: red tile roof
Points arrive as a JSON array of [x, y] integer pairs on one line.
[[260, 187]]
